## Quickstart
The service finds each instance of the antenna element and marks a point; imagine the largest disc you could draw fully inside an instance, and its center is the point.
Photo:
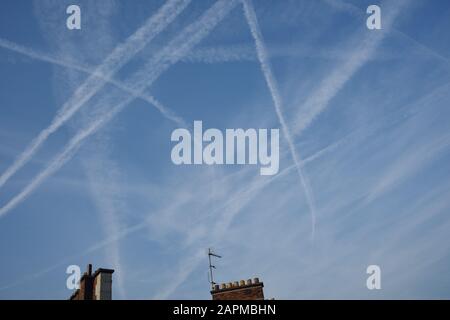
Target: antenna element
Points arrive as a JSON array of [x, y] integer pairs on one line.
[[211, 266]]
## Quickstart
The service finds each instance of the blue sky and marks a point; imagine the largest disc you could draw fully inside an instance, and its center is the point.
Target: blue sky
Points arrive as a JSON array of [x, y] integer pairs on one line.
[[363, 116]]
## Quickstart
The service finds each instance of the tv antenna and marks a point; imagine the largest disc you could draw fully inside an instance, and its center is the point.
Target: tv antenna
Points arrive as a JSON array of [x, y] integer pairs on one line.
[[211, 266]]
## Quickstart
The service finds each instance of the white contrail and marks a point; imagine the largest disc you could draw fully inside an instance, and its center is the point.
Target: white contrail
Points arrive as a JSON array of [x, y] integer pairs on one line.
[[246, 52], [330, 86], [229, 210], [126, 231], [115, 60], [357, 12], [41, 56], [208, 55], [109, 211], [271, 83], [67, 154], [179, 46]]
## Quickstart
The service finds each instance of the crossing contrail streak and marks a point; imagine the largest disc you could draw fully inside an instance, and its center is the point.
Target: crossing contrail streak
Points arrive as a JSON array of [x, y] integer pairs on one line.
[[271, 83], [249, 193], [172, 53], [320, 98], [115, 60], [357, 12], [37, 55], [229, 210]]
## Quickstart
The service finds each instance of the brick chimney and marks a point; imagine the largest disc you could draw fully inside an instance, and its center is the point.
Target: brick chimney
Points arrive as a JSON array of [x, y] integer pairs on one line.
[[239, 290], [94, 286], [103, 284]]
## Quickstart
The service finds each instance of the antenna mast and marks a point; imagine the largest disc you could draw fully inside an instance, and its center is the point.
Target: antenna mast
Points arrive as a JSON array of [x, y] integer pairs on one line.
[[211, 266]]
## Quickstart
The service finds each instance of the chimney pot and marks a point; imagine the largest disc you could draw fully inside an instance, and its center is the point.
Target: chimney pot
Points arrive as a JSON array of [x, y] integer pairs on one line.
[[216, 287], [89, 269], [251, 289]]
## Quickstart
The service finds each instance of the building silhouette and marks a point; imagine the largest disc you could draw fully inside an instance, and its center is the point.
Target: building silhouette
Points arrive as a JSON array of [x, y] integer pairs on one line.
[[98, 286], [239, 290], [94, 286]]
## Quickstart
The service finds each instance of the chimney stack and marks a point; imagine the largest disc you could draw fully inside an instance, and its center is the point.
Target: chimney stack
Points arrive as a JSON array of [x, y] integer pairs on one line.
[[94, 286], [239, 290]]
